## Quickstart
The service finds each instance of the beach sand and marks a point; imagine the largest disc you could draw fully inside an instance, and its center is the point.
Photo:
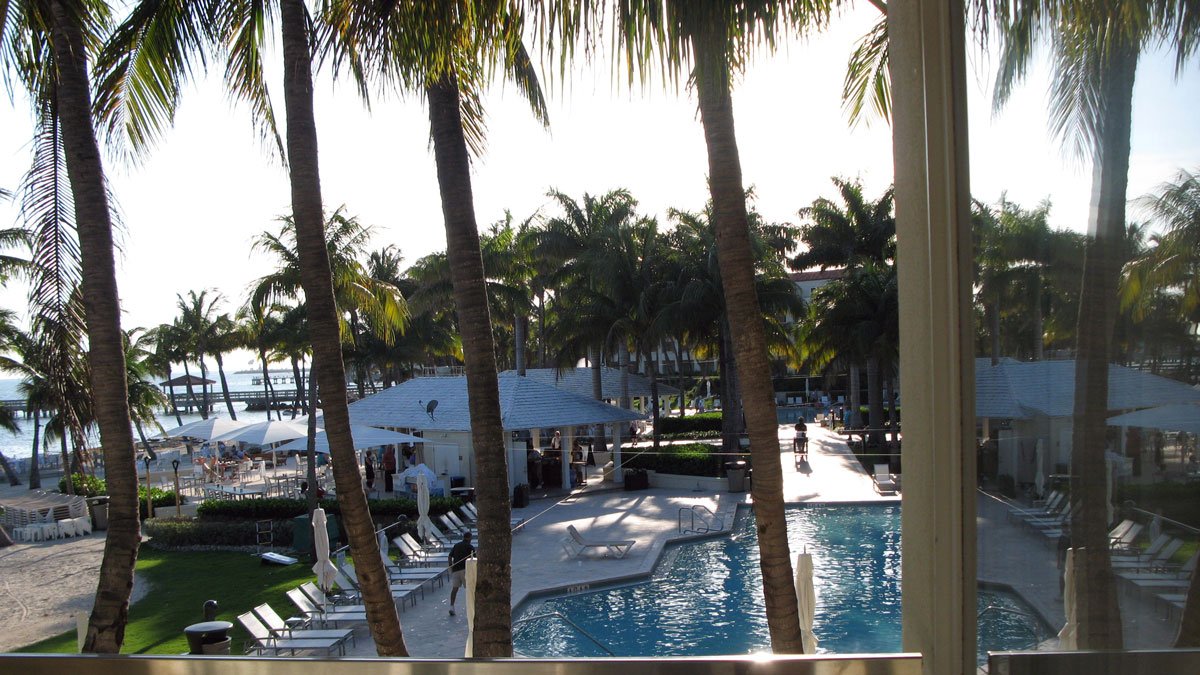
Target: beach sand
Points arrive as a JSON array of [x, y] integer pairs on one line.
[[44, 585]]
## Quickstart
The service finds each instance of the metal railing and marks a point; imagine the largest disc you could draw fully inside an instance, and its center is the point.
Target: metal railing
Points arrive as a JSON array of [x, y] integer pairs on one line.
[[706, 518], [518, 624]]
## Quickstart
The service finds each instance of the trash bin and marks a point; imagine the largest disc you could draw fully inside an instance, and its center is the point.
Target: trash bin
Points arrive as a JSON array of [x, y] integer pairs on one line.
[[98, 507], [302, 532], [736, 472], [521, 496], [209, 637]]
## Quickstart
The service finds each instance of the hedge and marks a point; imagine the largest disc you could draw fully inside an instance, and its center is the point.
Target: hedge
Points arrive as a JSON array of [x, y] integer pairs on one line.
[[180, 533], [693, 459], [1178, 501], [690, 436], [710, 421], [90, 486], [286, 509]]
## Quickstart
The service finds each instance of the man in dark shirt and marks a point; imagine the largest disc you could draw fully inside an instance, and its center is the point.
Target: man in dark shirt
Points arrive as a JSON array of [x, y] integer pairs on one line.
[[458, 566]]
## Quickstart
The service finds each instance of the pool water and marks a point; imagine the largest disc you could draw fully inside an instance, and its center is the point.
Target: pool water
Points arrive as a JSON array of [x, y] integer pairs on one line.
[[705, 598]]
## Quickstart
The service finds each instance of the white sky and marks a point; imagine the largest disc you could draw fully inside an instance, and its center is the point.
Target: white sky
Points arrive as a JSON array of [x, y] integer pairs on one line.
[[191, 209]]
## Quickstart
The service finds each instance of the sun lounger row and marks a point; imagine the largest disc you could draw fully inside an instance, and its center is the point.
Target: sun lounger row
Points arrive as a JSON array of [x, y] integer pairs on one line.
[[269, 633]]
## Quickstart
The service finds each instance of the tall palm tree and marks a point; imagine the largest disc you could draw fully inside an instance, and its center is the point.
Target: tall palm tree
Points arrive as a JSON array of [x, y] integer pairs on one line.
[[706, 42], [1095, 50], [144, 397], [848, 235], [46, 47], [170, 347], [460, 42], [1175, 261], [147, 65], [260, 327]]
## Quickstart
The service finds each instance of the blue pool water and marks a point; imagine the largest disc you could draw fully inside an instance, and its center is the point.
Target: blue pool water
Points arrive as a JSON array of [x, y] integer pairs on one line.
[[705, 598]]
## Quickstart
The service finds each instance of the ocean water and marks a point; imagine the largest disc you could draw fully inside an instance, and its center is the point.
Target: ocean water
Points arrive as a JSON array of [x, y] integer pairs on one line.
[[19, 445]]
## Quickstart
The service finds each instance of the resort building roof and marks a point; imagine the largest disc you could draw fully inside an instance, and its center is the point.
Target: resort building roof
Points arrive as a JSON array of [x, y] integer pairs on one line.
[[579, 381], [1023, 390], [524, 404]]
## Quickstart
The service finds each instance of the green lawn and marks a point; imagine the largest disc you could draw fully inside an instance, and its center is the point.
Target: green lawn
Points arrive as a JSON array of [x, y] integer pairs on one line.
[[180, 582]]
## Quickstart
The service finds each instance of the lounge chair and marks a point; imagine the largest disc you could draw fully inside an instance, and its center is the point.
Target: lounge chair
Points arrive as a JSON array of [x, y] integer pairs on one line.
[[1145, 554], [347, 580], [296, 628], [455, 529], [1157, 562], [1052, 507], [883, 480], [462, 527], [413, 553], [576, 544], [1171, 579], [1124, 541], [262, 641], [333, 616]]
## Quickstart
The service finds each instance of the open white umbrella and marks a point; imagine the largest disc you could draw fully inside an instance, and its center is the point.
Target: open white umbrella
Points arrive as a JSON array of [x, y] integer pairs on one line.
[[207, 429], [323, 568], [424, 524], [471, 573], [363, 436], [1067, 636], [1039, 476], [265, 433], [806, 601]]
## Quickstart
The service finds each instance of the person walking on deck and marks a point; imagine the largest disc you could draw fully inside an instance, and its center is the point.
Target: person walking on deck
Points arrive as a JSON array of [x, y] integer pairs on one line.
[[458, 566]]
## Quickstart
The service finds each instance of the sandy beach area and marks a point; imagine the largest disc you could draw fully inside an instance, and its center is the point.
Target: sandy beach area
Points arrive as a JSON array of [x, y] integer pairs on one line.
[[44, 585]]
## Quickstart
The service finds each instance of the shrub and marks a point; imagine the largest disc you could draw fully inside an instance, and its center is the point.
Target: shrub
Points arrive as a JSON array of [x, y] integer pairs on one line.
[[1178, 501], [185, 532], [710, 421], [286, 509], [88, 486], [690, 435], [693, 459]]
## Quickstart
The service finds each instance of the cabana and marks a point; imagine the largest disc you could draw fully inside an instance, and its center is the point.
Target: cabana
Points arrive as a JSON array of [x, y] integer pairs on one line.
[[437, 408]]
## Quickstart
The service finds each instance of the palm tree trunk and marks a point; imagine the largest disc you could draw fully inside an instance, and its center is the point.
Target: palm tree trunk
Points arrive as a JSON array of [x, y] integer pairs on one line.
[[874, 400], [301, 397], [35, 474], [102, 310], [520, 327], [749, 344], [994, 317], [679, 375], [66, 463], [652, 371], [726, 367], [316, 279], [203, 386], [137, 424], [187, 375], [599, 441], [1039, 322], [12, 477], [268, 394], [171, 393], [310, 457], [1099, 614], [854, 396], [225, 387], [541, 296], [493, 610]]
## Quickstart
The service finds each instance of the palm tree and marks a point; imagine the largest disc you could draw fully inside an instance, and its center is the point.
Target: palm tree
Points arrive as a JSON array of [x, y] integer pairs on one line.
[[170, 347], [260, 326], [161, 64], [459, 42], [1095, 52], [46, 47], [1175, 261], [861, 231], [144, 396]]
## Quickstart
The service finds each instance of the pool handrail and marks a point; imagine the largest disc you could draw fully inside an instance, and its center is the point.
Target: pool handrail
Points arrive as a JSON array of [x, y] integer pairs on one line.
[[559, 615]]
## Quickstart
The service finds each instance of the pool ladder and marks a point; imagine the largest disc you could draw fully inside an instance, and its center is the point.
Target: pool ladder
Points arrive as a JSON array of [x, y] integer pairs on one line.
[[562, 617], [699, 520]]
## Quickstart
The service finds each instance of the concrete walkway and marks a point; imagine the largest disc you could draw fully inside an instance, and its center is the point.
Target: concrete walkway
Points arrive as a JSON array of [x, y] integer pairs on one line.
[[540, 564]]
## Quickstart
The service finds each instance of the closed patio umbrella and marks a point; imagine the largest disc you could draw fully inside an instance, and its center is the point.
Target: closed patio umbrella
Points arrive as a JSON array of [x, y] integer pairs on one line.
[[1039, 477], [323, 568], [384, 547], [470, 578], [806, 601], [1067, 636], [424, 524]]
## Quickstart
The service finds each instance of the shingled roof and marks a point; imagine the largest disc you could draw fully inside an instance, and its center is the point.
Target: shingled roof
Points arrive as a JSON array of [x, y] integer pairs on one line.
[[1018, 390], [579, 381], [524, 404]]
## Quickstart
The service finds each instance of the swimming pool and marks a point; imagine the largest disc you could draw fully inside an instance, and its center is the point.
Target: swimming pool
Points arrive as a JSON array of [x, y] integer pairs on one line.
[[705, 598]]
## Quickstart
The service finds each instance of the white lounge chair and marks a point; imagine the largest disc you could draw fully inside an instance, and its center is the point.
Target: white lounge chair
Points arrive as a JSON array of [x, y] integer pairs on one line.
[[576, 544], [296, 628], [883, 480], [262, 640], [310, 609]]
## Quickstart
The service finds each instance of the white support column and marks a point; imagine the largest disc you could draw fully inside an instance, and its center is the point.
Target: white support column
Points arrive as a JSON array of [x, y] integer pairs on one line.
[[929, 131]]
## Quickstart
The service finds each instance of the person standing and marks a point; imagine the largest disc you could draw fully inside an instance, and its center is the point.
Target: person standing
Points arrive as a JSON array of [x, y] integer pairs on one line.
[[369, 467], [389, 467], [458, 566]]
